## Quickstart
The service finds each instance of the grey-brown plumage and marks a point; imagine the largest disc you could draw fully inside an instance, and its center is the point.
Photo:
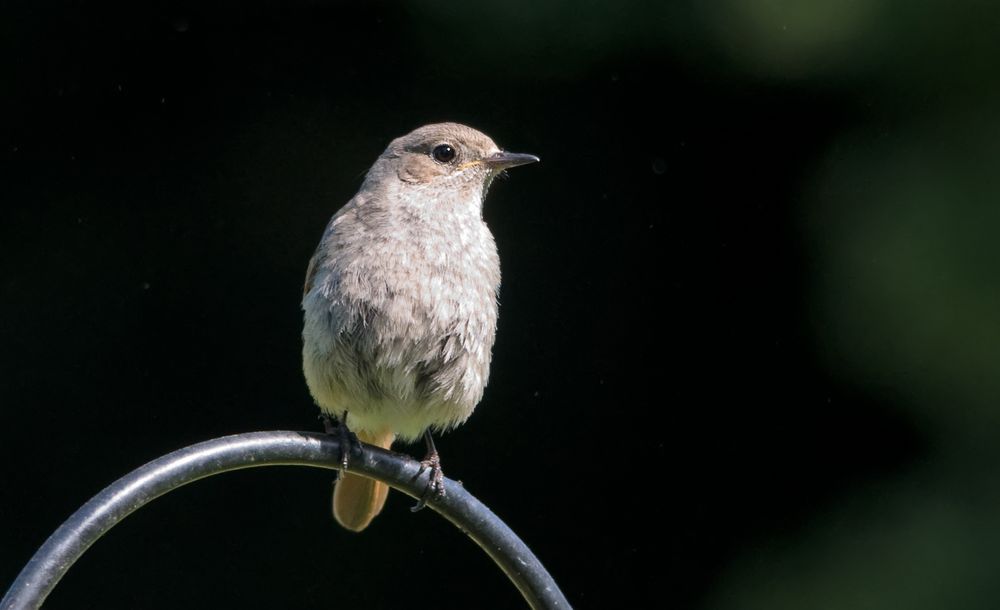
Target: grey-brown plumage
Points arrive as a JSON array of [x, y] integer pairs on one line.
[[401, 298]]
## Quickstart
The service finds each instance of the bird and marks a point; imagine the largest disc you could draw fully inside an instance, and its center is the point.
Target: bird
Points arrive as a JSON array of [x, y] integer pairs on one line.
[[400, 302]]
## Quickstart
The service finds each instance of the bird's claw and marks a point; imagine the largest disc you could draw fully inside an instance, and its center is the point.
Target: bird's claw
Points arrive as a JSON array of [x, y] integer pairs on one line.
[[349, 443], [435, 480]]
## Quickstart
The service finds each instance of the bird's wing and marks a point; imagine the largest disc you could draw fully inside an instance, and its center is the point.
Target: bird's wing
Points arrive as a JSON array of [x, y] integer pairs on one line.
[[311, 272]]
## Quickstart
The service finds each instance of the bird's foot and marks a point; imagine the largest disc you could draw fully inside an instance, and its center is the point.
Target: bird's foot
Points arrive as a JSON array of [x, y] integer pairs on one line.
[[349, 443], [435, 479]]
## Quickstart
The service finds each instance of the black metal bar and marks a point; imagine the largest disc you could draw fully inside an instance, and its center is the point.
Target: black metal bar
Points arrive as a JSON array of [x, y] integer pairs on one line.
[[131, 492]]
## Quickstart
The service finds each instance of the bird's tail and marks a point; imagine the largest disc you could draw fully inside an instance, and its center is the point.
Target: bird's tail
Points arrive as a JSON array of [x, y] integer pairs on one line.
[[357, 499]]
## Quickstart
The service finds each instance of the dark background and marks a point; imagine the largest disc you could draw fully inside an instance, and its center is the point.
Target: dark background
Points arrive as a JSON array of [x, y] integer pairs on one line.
[[748, 345]]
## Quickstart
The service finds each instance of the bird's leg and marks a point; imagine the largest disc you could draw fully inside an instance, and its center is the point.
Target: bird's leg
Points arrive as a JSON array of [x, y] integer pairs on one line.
[[329, 423], [435, 480], [349, 442]]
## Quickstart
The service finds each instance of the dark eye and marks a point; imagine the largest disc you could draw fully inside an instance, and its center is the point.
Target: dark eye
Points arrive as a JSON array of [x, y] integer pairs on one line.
[[443, 153]]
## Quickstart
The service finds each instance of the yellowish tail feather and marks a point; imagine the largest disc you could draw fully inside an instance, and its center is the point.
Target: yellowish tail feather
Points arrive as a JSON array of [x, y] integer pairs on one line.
[[357, 499]]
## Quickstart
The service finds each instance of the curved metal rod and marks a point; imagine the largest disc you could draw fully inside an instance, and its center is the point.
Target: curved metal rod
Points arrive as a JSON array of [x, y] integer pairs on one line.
[[279, 448]]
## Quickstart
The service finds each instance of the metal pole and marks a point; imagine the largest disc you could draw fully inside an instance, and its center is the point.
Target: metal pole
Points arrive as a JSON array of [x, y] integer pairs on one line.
[[278, 448]]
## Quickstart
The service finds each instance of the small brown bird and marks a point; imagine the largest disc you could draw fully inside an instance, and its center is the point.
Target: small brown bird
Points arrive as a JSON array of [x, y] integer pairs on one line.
[[401, 300]]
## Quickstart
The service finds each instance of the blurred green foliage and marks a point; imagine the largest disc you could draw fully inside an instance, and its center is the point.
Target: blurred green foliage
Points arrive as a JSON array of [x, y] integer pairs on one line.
[[900, 226]]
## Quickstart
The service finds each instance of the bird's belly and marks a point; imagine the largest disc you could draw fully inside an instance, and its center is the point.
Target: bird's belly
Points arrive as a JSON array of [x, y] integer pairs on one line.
[[406, 362]]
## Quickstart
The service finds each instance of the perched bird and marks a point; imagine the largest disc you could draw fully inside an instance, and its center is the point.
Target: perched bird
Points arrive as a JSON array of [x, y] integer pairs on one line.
[[400, 301]]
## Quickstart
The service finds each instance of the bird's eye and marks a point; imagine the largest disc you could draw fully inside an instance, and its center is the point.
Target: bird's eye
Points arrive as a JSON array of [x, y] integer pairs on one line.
[[443, 153]]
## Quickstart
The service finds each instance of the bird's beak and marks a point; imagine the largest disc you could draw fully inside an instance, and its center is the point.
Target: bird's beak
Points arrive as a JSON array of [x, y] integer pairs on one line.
[[503, 160]]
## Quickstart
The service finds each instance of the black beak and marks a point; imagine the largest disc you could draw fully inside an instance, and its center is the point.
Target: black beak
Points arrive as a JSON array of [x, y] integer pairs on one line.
[[503, 160]]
